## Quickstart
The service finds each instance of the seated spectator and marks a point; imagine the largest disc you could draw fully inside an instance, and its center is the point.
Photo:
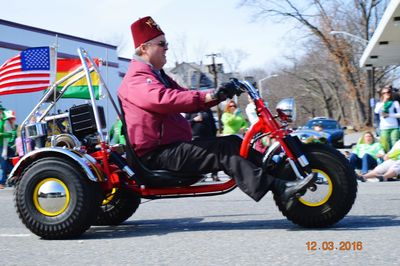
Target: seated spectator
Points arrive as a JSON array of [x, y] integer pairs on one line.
[[366, 153], [389, 169]]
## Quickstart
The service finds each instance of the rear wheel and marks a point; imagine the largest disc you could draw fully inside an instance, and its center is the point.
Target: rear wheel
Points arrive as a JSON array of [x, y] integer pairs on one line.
[[334, 191], [117, 207], [56, 201]]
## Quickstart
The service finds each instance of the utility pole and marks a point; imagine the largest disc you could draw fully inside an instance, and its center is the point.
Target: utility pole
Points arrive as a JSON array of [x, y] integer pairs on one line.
[[214, 71]]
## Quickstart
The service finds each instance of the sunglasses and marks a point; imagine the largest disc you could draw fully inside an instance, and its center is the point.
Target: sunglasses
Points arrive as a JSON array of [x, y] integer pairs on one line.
[[232, 105], [386, 92], [162, 44]]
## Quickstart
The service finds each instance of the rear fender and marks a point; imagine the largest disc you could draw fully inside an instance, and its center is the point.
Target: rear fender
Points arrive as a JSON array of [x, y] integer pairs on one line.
[[82, 161]]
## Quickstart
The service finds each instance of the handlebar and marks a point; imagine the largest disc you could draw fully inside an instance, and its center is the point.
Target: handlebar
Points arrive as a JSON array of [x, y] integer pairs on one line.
[[245, 85]]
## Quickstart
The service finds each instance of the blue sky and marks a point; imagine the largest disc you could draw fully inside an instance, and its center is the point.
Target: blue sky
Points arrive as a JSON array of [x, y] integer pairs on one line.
[[202, 27]]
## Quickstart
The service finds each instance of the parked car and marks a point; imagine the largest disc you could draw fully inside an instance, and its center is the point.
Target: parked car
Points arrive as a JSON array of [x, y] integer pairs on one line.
[[322, 129], [311, 136]]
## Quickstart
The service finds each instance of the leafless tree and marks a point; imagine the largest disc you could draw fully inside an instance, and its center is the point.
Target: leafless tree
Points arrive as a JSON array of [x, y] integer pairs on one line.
[[233, 58], [178, 49], [199, 52], [320, 18]]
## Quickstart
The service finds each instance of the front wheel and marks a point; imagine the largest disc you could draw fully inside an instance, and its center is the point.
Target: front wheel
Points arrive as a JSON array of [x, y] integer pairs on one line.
[[55, 200], [334, 191]]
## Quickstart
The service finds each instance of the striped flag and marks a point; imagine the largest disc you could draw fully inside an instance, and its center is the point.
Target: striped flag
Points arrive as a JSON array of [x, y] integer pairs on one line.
[[32, 70], [80, 88]]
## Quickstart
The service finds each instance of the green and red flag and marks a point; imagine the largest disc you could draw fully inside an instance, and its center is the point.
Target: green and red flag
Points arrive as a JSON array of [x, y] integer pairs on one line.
[[80, 88]]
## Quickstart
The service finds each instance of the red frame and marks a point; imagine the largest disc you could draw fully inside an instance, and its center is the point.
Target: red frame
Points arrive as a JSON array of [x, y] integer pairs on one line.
[[265, 124]]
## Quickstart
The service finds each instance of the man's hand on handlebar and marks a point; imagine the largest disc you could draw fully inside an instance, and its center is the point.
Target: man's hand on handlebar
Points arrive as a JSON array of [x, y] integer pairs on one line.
[[227, 90]]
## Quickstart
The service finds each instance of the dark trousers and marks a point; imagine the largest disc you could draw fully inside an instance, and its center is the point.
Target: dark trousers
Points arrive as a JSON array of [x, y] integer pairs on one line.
[[212, 155], [367, 162], [5, 165]]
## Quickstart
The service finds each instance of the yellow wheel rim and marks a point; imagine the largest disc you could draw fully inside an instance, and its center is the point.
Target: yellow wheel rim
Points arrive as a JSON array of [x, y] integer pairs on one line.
[[51, 197], [323, 192], [109, 196]]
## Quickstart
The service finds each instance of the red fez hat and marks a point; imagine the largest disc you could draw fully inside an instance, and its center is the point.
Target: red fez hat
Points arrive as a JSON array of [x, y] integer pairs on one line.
[[144, 30]]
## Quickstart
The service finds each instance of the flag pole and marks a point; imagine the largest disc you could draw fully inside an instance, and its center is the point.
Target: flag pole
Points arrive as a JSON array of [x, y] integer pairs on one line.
[[55, 50]]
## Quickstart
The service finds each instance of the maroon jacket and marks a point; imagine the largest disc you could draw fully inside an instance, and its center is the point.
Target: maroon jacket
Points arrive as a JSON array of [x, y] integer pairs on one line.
[[153, 108]]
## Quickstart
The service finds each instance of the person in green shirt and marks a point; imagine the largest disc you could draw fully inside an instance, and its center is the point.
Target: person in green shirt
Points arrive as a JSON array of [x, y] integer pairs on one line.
[[389, 169], [116, 134], [233, 120], [366, 153], [5, 137]]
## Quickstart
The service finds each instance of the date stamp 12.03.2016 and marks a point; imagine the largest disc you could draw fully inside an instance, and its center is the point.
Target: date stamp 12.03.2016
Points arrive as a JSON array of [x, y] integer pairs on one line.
[[334, 246]]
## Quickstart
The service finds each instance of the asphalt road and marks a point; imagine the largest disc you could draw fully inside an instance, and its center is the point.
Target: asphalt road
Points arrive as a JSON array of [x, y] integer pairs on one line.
[[222, 230]]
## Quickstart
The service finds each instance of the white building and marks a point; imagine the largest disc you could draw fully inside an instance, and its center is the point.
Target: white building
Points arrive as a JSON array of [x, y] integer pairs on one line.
[[16, 37], [384, 47]]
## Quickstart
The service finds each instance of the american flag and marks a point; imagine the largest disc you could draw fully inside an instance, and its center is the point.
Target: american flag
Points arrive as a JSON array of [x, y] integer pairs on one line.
[[32, 70]]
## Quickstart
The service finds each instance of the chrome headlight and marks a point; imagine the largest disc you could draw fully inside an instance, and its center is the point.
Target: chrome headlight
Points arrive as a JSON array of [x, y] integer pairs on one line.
[[286, 109]]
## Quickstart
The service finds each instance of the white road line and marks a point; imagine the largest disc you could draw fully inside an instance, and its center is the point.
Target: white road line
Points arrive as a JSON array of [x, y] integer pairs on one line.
[[15, 235]]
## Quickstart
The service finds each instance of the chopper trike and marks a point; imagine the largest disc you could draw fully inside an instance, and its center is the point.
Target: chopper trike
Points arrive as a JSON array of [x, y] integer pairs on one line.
[[75, 179]]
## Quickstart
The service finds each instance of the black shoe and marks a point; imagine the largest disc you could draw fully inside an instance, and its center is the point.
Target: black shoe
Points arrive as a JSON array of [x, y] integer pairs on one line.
[[289, 190], [381, 179], [215, 177], [361, 178]]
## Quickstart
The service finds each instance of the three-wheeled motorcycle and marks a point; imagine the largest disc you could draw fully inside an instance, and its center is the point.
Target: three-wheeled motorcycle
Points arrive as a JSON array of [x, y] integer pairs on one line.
[[74, 178]]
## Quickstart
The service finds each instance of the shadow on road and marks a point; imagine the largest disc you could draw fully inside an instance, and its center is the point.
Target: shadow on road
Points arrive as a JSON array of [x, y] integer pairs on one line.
[[167, 226]]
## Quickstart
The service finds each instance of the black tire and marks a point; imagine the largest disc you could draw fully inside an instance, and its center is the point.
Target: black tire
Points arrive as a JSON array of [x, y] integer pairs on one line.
[[79, 208], [117, 207], [335, 192]]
